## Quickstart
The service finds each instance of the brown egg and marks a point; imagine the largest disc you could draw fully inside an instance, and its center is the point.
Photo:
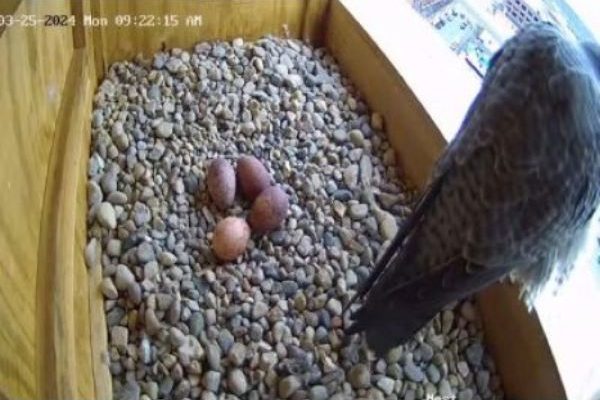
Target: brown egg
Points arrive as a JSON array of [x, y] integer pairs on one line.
[[269, 210], [221, 183], [230, 238], [252, 176]]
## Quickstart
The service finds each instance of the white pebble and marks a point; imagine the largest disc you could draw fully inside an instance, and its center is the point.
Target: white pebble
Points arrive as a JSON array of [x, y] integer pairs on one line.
[[124, 277], [119, 335], [108, 289], [334, 306], [386, 384], [236, 381], [92, 253], [164, 129], [106, 215]]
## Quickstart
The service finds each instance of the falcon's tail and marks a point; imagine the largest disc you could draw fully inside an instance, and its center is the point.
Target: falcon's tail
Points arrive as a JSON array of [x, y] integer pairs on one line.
[[393, 313]]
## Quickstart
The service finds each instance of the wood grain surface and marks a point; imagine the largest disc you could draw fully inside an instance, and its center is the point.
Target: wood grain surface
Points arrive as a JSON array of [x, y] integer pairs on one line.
[[67, 358], [33, 68], [55, 298]]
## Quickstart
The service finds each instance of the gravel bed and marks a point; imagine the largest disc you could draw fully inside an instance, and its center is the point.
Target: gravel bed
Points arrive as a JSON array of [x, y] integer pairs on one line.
[[183, 326]]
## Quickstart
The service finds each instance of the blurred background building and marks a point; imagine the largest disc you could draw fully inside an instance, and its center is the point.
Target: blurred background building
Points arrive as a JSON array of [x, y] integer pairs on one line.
[[475, 29]]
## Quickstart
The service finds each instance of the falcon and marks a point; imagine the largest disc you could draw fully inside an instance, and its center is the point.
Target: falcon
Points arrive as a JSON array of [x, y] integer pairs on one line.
[[512, 195]]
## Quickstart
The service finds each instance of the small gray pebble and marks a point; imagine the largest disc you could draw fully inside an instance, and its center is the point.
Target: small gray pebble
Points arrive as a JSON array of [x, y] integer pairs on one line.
[[145, 253], [105, 214], [166, 386], [358, 211], [114, 316], [129, 391], [182, 390], [433, 373], [213, 356], [334, 306], [108, 182], [463, 368], [150, 270], [482, 379], [259, 310], [426, 352], [164, 129], [465, 394], [225, 340], [124, 277], [318, 392], [151, 321], [167, 258], [236, 381], [305, 246], [386, 384], [474, 354], [119, 336], [351, 176], [196, 324], [94, 193], [413, 372], [211, 380], [444, 389], [108, 289], [237, 354], [289, 288], [113, 247]]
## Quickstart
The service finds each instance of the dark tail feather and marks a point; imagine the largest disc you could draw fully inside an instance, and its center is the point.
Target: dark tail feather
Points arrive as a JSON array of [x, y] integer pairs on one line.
[[392, 313], [397, 329], [396, 245]]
